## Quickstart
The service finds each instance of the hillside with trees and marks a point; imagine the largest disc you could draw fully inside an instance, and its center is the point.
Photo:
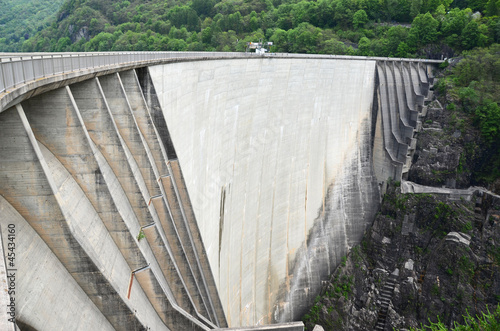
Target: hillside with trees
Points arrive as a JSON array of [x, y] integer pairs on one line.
[[401, 28], [22, 19]]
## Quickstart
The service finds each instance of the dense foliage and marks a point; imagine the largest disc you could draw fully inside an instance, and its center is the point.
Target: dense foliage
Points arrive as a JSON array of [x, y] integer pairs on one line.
[[486, 322], [471, 88], [22, 19], [362, 27]]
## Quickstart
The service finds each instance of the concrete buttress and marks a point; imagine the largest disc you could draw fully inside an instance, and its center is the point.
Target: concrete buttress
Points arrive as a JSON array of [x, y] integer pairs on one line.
[[197, 195]]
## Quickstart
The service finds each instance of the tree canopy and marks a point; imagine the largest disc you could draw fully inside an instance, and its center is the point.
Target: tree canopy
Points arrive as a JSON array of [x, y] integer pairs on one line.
[[429, 28]]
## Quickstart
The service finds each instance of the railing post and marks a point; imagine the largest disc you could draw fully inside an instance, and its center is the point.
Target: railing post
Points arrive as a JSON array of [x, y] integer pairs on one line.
[[3, 78], [33, 67], [43, 65], [22, 66], [13, 73]]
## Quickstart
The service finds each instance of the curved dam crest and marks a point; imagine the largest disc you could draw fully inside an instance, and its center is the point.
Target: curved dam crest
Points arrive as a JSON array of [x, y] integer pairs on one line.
[[269, 148], [181, 193]]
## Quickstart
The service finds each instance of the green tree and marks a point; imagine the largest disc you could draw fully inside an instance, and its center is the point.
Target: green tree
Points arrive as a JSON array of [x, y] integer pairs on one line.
[[333, 46], [493, 8], [424, 28], [63, 44], [470, 35], [364, 46], [177, 45], [359, 19], [102, 42], [253, 23], [415, 7], [280, 41], [203, 7], [184, 16], [488, 117], [454, 22], [304, 38], [394, 36], [206, 35], [343, 13], [403, 50]]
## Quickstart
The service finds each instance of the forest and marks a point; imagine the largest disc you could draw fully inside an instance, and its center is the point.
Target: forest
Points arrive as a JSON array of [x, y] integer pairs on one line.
[[396, 28], [22, 19]]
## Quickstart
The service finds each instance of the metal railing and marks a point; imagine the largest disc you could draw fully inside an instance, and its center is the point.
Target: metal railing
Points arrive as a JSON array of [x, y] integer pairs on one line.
[[20, 68]]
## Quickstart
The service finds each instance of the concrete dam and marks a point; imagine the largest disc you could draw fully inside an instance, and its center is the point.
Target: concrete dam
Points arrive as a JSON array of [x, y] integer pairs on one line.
[[191, 191]]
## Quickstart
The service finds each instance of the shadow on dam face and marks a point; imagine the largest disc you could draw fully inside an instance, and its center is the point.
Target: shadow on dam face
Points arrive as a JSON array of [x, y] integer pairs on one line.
[[199, 195]]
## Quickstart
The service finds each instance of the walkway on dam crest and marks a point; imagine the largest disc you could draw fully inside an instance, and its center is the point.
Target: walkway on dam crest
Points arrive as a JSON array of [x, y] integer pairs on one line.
[[23, 75]]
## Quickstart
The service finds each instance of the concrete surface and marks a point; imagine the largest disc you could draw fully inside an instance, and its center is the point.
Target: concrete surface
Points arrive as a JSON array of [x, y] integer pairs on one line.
[[240, 183], [271, 148], [44, 287]]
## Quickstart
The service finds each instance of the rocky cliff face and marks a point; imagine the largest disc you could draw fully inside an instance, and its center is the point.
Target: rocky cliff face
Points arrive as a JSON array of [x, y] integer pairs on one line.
[[426, 256], [447, 149]]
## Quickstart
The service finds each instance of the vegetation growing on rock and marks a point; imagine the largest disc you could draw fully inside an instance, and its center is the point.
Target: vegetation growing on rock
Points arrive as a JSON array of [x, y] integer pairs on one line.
[[489, 321], [469, 92]]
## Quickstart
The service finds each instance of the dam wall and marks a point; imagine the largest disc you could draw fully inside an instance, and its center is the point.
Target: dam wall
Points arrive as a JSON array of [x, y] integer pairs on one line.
[[272, 149], [196, 195]]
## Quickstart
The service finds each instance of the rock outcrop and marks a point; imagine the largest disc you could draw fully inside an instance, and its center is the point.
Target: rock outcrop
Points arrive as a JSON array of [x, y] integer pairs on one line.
[[424, 257], [429, 255]]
